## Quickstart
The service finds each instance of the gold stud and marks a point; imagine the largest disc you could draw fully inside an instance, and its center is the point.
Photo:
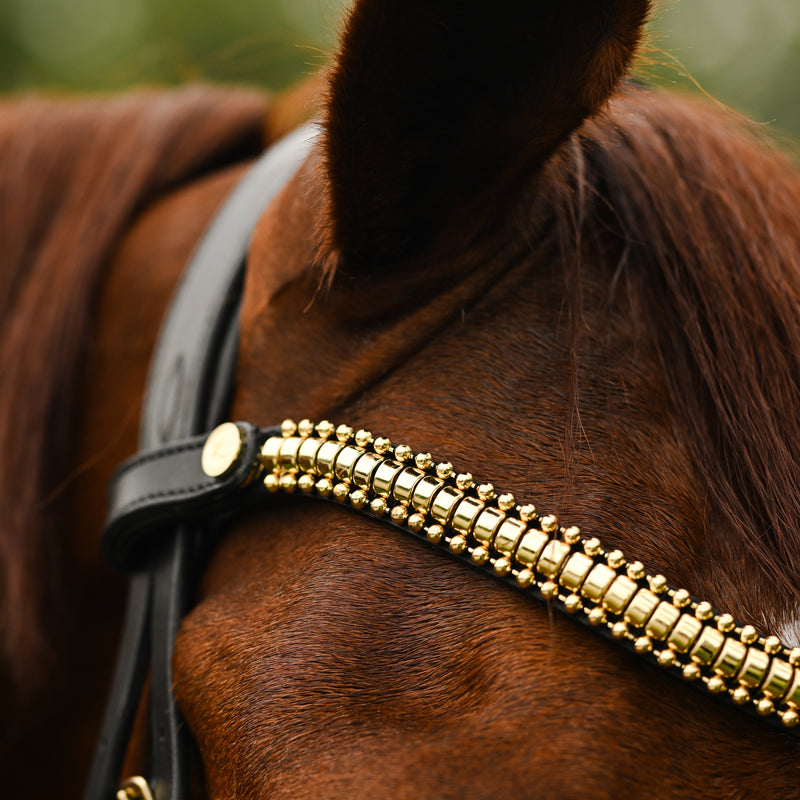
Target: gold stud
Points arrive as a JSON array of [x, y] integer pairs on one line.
[[287, 482], [134, 788], [619, 630], [525, 578], [615, 559], [658, 584], [305, 428], [765, 707], [480, 555], [790, 718], [643, 645], [592, 547], [271, 482], [573, 603], [402, 452], [726, 623], [324, 429], [305, 483], [635, 570], [378, 506], [506, 501], [324, 487], [749, 634], [423, 460], [288, 427], [502, 566], [666, 658], [382, 445], [716, 684], [485, 492], [398, 514], [772, 645], [340, 491], [221, 450], [794, 657], [464, 481], [444, 470], [415, 522], [363, 437], [572, 535], [549, 523], [343, 433], [704, 611], [434, 533], [596, 616], [457, 544], [549, 590], [358, 499], [691, 672], [740, 695], [681, 598], [527, 512]]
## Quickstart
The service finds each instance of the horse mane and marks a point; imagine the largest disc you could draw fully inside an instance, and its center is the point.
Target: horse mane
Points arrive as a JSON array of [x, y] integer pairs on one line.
[[73, 174]]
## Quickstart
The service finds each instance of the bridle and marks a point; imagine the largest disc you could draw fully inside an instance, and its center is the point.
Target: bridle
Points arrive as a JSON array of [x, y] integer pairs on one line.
[[169, 500]]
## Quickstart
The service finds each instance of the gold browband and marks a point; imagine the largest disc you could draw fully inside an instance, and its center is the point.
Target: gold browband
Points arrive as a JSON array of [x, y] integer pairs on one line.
[[617, 597]]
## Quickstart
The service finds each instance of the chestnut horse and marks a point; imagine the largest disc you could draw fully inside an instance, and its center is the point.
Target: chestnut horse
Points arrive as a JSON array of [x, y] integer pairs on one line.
[[500, 251]]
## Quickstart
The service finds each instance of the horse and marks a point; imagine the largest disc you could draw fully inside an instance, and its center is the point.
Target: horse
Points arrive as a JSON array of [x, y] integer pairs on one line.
[[501, 251]]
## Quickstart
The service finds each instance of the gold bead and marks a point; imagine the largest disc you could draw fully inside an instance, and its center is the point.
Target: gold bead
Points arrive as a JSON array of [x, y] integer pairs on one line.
[[666, 658], [740, 695], [615, 559], [402, 452], [790, 718], [619, 630], [591, 547], [434, 533], [772, 645], [502, 566], [794, 657], [572, 535], [691, 672], [704, 611], [378, 506], [423, 460], [415, 522], [681, 598], [288, 427], [398, 514], [596, 616], [527, 512], [480, 555], [464, 481], [287, 482], [749, 634], [305, 428], [765, 707], [221, 450], [549, 523], [358, 499], [457, 544], [324, 429], [382, 445], [485, 492], [271, 482], [658, 584], [506, 502], [343, 433], [525, 578], [340, 491], [726, 623], [363, 437], [324, 487], [573, 604], [549, 590], [635, 570], [305, 483], [643, 645], [444, 470], [716, 684]]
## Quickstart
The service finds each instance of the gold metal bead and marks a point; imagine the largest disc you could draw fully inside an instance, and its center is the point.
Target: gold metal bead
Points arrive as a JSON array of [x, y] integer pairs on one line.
[[749, 634], [358, 499], [464, 481], [549, 590], [704, 611], [485, 492], [525, 578], [691, 672], [619, 630], [480, 555], [765, 707], [305, 428], [549, 523], [506, 502], [666, 658], [403, 452], [502, 566], [423, 460], [726, 623], [790, 718], [527, 512], [398, 514], [573, 603], [340, 491], [592, 547], [305, 483], [772, 645], [287, 482], [572, 535], [643, 645], [343, 433], [378, 506], [635, 570], [324, 429], [740, 695], [615, 559], [658, 584], [716, 684], [288, 428], [434, 533], [681, 598], [596, 616], [221, 450], [458, 544], [135, 788], [415, 522], [444, 470], [382, 445], [363, 437], [324, 487], [794, 657]]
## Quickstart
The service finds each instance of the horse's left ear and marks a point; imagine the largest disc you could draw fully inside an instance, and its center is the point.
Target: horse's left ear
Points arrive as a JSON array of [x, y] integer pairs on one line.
[[437, 108]]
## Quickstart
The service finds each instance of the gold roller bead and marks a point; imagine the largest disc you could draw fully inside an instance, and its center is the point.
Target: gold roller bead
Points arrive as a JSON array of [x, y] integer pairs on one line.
[[550, 523], [358, 499], [423, 460], [592, 547], [378, 506], [502, 566], [525, 578], [716, 685], [464, 481], [271, 482], [597, 616], [691, 672], [325, 429], [573, 603], [726, 623], [382, 445], [340, 491], [772, 645], [415, 522], [288, 428], [435, 533], [506, 502], [635, 570], [305, 428], [704, 611], [398, 514], [681, 598], [480, 555], [527, 512], [363, 437], [444, 470], [549, 590], [749, 634], [572, 535], [666, 658], [457, 544], [740, 695], [615, 559], [305, 483]]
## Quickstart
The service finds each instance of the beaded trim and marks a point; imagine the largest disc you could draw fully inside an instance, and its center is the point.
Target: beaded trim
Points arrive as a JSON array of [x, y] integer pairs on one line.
[[530, 550]]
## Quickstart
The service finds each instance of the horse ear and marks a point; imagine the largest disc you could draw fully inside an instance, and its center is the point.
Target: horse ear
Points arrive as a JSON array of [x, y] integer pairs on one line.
[[437, 108]]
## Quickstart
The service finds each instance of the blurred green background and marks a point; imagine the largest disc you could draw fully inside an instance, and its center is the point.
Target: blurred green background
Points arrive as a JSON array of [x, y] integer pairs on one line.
[[746, 53]]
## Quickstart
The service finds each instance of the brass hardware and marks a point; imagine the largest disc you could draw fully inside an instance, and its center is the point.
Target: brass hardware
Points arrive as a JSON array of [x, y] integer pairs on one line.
[[619, 594], [326, 457], [423, 493], [707, 646], [307, 454], [662, 621], [405, 483], [684, 634], [575, 570], [287, 458], [443, 503], [730, 658], [134, 788], [754, 667], [778, 678], [597, 581], [363, 469], [640, 608], [221, 450], [269, 452], [553, 556], [486, 524], [531, 544], [345, 461], [507, 536], [383, 479], [464, 515]]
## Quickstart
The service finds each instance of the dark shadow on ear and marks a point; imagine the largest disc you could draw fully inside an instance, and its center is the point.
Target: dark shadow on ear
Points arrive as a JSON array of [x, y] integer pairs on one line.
[[439, 109]]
